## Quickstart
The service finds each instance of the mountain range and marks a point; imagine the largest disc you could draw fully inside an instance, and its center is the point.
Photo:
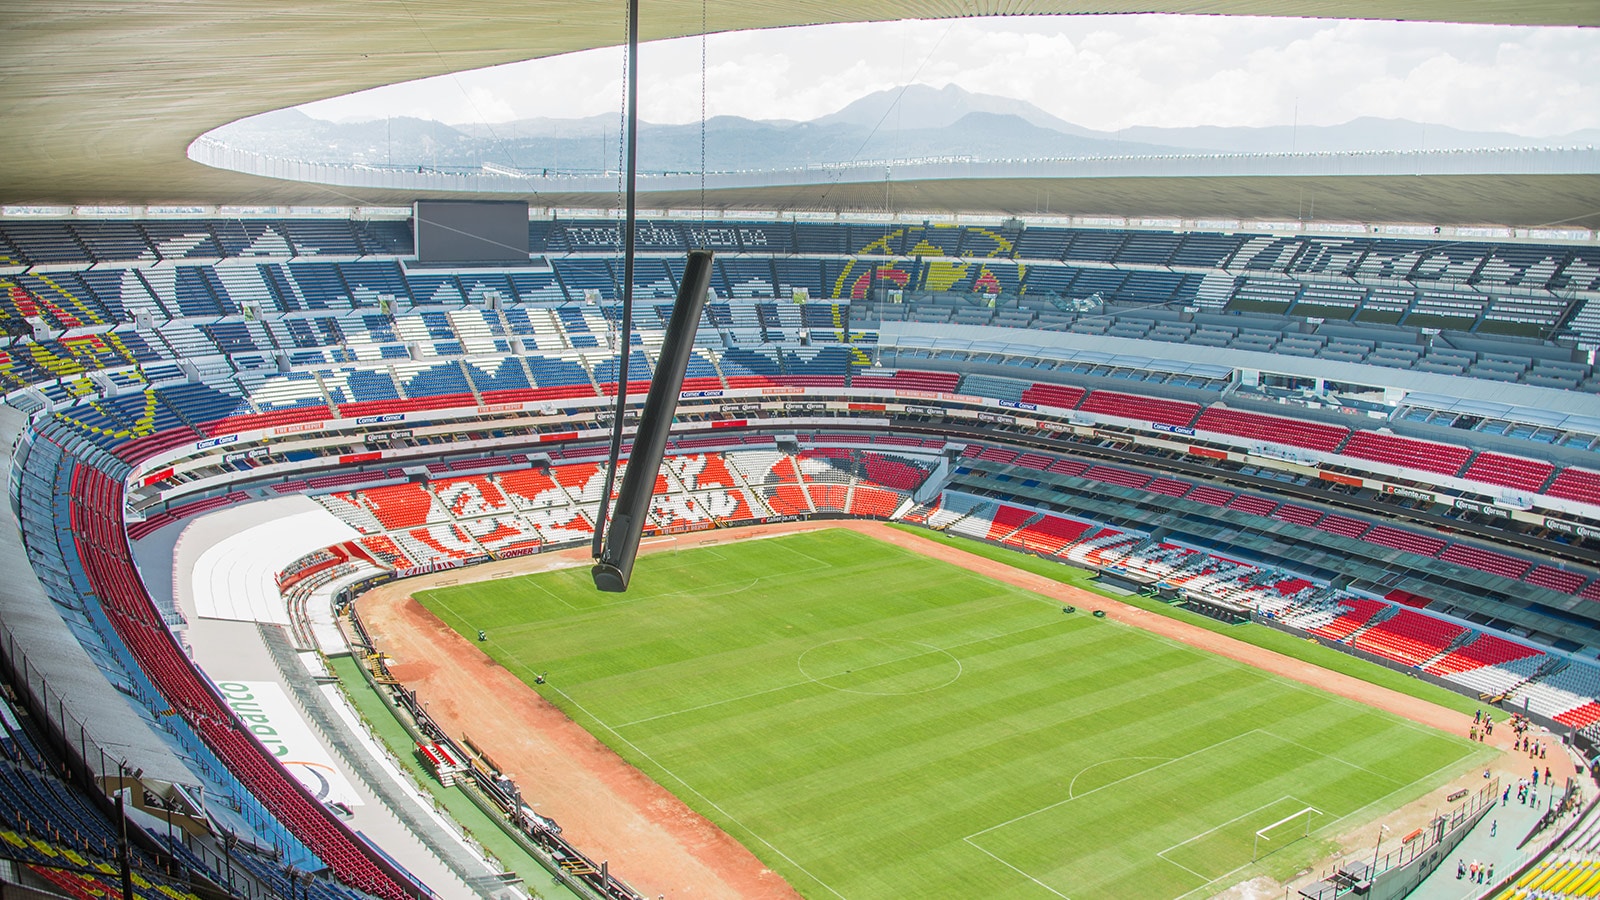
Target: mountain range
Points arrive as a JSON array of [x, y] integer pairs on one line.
[[915, 121]]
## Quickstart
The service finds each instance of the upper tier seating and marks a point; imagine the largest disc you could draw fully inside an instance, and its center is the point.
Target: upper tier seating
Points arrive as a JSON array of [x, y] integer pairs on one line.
[[910, 379], [1345, 526], [1573, 483], [1407, 453], [1486, 560], [1061, 396], [1114, 475], [1146, 409], [1509, 471], [1400, 539], [1556, 579], [1275, 429]]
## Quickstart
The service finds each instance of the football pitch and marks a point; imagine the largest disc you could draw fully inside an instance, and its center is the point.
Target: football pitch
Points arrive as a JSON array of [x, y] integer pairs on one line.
[[872, 723]]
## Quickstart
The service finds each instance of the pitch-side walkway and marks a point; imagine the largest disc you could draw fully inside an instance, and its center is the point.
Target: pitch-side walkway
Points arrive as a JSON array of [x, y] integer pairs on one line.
[[1493, 841]]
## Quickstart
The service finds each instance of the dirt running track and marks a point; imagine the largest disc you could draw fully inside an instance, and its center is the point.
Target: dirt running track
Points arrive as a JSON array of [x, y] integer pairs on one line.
[[611, 811]]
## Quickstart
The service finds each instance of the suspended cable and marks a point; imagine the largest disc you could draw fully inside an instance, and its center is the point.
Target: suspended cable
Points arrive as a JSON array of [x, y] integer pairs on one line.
[[703, 233], [625, 336], [616, 548]]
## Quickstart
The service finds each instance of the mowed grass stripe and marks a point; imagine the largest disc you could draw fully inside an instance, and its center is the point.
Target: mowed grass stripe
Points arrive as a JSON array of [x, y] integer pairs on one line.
[[854, 712]]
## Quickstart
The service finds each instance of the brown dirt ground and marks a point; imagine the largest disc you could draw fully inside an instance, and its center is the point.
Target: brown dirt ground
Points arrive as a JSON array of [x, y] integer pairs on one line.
[[652, 840]]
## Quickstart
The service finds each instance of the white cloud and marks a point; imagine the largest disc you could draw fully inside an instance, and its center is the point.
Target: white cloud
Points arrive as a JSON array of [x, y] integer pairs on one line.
[[1103, 72]]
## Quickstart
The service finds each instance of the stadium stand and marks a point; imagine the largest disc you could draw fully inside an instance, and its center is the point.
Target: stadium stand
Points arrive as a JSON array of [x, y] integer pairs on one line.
[[133, 369]]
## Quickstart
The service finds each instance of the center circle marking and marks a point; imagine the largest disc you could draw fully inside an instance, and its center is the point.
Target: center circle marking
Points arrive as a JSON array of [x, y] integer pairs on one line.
[[866, 660]]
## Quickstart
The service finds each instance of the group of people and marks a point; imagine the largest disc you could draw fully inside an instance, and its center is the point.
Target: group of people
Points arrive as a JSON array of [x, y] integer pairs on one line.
[[1481, 873], [1520, 725], [1482, 726], [1527, 792]]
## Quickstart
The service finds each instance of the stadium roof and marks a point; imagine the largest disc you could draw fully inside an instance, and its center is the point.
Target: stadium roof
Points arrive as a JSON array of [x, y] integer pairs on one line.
[[102, 99]]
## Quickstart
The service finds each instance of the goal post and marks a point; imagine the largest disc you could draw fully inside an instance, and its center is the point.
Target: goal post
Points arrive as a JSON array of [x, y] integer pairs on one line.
[[1265, 834]]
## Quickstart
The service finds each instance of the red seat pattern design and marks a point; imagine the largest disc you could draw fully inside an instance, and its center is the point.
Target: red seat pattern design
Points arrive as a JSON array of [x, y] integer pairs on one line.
[[1581, 717], [1563, 580], [447, 541], [998, 454], [1298, 515], [872, 501], [804, 381], [401, 505], [1143, 409], [140, 449], [1108, 541], [1060, 396], [1333, 523], [577, 475], [1484, 650], [384, 551], [1573, 483], [1006, 520], [1255, 506], [1050, 534], [1114, 475], [503, 534], [1036, 461], [1069, 467], [909, 379], [786, 495], [1209, 495], [1406, 598], [1354, 613], [1168, 487], [828, 497], [1273, 429], [1509, 471], [892, 471], [704, 470], [1399, 539], [473, 495], [1408, 637], [274, 418], [1428, 456], [1485, 560]]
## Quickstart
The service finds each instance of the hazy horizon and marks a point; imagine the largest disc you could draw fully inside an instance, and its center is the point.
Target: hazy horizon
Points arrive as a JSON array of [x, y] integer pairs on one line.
[[1104, 73]]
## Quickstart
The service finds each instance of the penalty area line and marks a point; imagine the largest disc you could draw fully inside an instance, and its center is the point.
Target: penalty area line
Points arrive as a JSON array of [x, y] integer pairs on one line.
[[1246, 814], [1013, 868]]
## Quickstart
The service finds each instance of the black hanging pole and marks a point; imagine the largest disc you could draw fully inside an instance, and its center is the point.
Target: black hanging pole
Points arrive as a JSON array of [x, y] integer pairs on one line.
[[614, 567], [625, 332]]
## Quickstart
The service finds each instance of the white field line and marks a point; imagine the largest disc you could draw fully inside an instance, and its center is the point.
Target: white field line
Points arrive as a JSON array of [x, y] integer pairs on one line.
[[806, 681], [1175, 759], [703, 798]]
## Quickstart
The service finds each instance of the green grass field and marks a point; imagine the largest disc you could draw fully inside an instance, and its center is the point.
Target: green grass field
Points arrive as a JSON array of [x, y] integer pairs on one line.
[[875, 724]]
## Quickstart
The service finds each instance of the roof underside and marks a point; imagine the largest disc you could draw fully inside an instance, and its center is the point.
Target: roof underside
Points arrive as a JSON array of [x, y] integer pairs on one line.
[[102, 99]]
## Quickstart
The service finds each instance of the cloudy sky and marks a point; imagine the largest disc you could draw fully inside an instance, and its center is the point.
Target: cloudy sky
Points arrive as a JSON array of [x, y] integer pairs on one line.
[[1101, 72]]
